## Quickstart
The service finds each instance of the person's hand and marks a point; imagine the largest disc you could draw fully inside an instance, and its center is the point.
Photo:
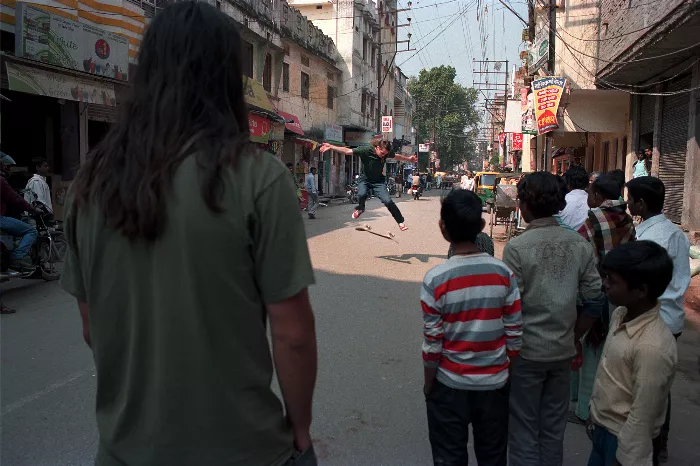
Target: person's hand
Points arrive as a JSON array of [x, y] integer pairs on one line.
[[589, 428], [428, 387], [302, 439], [324, 147], [413, 159]]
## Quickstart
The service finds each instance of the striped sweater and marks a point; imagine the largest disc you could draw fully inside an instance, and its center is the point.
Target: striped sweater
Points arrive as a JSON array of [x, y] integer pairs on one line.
[[472, 321]]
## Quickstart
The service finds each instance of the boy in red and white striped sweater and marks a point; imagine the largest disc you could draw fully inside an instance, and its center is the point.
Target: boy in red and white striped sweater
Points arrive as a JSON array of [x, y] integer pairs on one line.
[[472, 326]]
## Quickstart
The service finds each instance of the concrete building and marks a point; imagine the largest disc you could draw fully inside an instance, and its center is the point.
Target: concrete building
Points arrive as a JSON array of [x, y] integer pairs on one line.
[[650, 51], [354, 27]]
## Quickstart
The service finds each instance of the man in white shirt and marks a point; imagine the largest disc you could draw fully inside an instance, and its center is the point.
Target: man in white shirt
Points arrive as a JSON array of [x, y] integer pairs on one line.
[[645, 198], [575, 213], [312, 191], [37, 188]]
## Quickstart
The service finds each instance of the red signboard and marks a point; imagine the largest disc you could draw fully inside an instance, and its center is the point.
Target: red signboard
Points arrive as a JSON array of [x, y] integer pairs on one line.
[[259, 128], [517, 141], [502, 138], [547, 92]]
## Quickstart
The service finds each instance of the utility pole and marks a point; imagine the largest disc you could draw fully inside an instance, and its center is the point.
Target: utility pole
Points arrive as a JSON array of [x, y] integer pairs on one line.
[[380, 78], [498, 114]]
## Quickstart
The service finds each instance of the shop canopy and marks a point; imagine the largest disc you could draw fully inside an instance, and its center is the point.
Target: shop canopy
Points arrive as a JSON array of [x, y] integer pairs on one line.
[[595, 111], [256, 98], [291, 123]]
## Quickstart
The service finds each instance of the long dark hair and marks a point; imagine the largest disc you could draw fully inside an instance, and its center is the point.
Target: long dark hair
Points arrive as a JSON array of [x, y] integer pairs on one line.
[[187, 99]]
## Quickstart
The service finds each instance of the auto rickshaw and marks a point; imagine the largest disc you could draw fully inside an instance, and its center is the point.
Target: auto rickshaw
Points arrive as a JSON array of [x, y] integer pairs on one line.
[[485, 187]]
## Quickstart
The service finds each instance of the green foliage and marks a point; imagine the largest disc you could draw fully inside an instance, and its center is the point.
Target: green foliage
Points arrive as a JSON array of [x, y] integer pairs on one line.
[[446, 112]]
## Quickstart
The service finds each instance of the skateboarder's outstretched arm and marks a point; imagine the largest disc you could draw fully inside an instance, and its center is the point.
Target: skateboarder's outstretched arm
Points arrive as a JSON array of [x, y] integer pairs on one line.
[[343, 150]]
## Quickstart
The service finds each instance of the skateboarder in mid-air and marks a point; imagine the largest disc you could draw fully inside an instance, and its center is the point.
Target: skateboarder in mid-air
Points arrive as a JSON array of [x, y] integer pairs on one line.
[[373, 160]]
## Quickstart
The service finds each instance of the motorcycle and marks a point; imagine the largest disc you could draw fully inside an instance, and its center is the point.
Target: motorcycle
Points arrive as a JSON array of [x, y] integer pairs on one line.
[[391, 186], [351, 192], [47, 252], [417, 192]]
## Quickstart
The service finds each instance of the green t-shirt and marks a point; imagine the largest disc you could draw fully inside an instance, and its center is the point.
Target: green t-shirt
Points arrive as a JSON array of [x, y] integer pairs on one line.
[[179, 326], [372, 165]]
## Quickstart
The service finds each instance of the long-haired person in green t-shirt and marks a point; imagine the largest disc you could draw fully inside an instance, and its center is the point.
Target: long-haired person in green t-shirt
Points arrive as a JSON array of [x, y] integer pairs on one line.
[[183, 241]]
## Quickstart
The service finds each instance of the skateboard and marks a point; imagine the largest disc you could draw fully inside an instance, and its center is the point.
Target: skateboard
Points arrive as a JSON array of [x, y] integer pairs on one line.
[[368, 229]]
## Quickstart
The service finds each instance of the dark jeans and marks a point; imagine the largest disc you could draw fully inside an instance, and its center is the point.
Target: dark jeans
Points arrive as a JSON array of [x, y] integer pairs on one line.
[[379, 188], [539, 404], [604, 448], [450, 412]]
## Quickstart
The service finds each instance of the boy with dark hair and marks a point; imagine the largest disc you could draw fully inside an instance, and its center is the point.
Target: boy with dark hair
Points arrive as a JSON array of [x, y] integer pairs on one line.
[[608, 225], [634, 379], [553, 265], [373, 174], [37, 188], [646, 197], [576, 210], [472, 327]]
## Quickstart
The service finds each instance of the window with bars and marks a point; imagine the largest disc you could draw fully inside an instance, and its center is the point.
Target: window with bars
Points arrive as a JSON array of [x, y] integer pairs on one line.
[[248, 59], [305, 85], [267, 73], [331, 96], [285, 77], [304, 60]]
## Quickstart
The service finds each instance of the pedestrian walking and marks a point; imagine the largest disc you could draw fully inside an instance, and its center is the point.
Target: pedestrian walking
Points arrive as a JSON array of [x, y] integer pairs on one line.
[[645, 197], [553, 265], [639, 360], [312, 192], [472, 327], [438, 181], [576, 211], [608, 225], [177, 277], [373, 159]]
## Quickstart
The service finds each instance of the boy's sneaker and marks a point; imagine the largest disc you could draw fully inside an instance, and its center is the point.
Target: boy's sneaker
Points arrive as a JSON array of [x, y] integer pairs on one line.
[[25, 263], [357, 214], [403, 227]]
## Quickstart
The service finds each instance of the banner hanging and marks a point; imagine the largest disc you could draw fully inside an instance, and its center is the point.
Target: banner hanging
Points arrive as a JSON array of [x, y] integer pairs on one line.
[[547, 93]]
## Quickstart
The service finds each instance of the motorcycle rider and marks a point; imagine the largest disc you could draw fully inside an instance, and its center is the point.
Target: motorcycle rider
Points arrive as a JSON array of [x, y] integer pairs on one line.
[[13, 204], [37, 187]]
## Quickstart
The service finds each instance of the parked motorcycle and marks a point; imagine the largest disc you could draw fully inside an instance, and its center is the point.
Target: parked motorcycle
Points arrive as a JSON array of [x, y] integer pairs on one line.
[[391, 186], [417, 192], [47, 252], [351, 192]]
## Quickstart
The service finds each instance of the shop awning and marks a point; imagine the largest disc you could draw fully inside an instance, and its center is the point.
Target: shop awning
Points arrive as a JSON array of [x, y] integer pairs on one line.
[[44, 82], [294, 126], [255, 95], [595, 111]]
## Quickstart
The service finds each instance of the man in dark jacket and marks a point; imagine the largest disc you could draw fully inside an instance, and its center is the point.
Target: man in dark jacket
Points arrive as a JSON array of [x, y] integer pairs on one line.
[[12, 205]]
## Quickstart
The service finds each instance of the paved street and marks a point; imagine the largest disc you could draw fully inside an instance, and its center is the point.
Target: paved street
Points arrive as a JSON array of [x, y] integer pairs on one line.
[[369, 408]]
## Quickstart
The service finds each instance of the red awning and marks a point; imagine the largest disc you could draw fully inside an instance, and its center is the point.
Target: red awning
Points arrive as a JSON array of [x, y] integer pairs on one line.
[[295, 126]]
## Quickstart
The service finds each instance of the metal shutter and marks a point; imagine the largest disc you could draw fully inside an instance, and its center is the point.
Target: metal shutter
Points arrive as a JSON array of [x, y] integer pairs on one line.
[[646, 124], [674, 146], [102, 113]]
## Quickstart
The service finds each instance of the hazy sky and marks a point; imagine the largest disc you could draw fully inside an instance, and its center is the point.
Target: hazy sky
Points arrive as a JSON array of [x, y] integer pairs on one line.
[[443, 37]]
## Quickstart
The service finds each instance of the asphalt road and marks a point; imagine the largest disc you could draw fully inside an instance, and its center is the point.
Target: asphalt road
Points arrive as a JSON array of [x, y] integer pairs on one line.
[[369, 409]]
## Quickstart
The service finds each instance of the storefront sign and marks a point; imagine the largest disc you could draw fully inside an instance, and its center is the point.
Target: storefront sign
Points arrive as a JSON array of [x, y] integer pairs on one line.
[[539, 50], [529, 125], [259, 128], [517, 141], [387, 124], [61, 86], [59, 41], [276, 131], [423, 147], [333, 133], [547, 93], [254, 94]]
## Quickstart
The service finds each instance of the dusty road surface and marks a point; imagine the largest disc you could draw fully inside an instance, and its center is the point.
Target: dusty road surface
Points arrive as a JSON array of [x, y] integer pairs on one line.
[[369, 409]]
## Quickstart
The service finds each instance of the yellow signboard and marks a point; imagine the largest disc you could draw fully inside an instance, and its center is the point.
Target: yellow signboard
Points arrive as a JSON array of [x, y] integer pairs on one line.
[[255, 94]]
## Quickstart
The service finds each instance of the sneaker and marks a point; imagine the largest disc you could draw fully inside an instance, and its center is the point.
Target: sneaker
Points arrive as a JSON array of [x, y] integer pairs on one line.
[[21, 264], [7, 310], [403, 227], [312, 217], [357, 214]]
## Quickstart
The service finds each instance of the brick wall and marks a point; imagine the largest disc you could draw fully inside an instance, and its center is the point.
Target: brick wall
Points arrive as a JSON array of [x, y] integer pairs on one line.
[[625, 18]]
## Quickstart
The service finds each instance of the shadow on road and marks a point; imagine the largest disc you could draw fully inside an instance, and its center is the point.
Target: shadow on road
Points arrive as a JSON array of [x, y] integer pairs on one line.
[[406, 258]]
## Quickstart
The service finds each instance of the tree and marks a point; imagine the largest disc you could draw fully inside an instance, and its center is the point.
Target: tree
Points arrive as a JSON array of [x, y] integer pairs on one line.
[[446, 113]]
